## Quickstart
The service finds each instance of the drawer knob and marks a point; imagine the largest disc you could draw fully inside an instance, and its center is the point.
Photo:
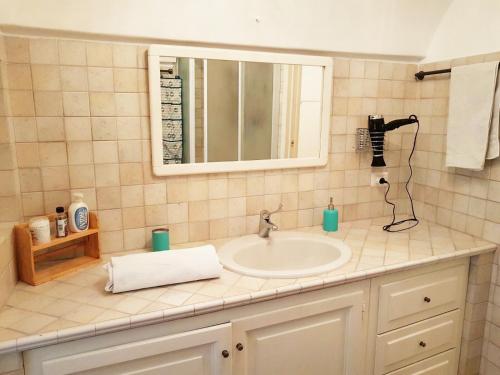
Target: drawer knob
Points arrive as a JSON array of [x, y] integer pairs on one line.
[[427, 299], [225, 353], [239, 346], [422, 344]]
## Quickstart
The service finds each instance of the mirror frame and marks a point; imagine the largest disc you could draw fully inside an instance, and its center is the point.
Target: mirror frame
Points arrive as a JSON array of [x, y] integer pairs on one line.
[[157, 52]]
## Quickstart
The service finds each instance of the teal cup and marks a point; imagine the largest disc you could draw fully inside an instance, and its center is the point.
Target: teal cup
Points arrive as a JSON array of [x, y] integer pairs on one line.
[[161, 239]]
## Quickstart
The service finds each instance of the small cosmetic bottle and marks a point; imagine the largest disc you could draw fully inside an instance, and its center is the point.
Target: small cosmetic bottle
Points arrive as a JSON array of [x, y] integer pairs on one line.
[[61, 222], [331, 218]]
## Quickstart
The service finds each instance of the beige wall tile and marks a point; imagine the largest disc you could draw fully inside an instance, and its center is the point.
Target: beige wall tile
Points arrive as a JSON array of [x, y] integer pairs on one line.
[[46, 77], [131, 174], [76, 104], [105, 152], [108, 197], [155, 194], [72, 52], [30, 179], [133, 217], [177, 190], [127, 104], [17, 49], [130, 151], [24, 129], [110, 220], [107, 174], [74, 78], [128, 128], [177, 213], [156, 215], [125, 55], [100, 79], [27, 155], [50, 129], [104, 128], [55, 178], [77, 129], [199, 231], [48, 103], [198, 211], [132, 196], [82, 176], [53, 153], [99, 54], [43, 51], [125, 80], [80, 152], [21, 103], [134, 239], [33, 204], [102, 104], [19, 76]]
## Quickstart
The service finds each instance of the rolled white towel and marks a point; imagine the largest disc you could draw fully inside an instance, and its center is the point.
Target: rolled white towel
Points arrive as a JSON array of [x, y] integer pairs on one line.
[[146, 270]]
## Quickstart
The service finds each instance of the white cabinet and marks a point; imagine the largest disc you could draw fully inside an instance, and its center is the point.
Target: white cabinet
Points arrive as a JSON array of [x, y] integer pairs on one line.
[[416, 315], [320, 337], [197, 352]]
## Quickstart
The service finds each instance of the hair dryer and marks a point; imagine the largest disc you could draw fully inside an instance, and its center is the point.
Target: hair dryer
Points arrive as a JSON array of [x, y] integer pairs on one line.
[[377, 128]]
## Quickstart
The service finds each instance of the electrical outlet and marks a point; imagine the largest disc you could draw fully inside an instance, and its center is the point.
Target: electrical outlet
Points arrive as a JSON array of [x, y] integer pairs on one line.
[[376, 176]]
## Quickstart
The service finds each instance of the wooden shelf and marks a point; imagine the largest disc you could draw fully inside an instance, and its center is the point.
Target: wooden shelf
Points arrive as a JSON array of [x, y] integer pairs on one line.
[[37, 264], [62, 240]]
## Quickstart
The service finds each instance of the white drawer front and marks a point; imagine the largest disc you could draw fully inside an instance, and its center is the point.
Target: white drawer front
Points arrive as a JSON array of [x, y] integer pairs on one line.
[[418, 341], [441, 364], [407, 301]]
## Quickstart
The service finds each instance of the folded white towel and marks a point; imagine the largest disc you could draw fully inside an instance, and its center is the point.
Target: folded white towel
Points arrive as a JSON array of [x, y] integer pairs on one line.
[[146, 270], [472, 130]]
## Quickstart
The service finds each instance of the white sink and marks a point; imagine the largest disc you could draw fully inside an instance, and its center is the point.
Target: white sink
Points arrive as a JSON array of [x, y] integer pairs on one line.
[[284, 255]]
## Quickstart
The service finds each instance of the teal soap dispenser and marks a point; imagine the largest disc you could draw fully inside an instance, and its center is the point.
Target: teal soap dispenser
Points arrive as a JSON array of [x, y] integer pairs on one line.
[[331, 218]]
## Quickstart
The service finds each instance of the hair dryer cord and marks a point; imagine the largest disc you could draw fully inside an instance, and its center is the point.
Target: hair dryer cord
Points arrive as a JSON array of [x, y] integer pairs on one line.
[[413, 219]]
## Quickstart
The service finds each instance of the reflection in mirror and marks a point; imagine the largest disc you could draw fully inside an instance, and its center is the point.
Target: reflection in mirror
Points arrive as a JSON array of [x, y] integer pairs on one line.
[[223, 110]]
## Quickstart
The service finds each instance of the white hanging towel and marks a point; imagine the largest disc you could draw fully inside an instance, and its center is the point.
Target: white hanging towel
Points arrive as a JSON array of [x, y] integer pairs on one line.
[[473, 116], [146, 270]]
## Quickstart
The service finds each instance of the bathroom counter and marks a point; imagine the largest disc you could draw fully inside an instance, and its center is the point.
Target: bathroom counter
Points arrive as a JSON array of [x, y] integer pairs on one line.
[[76, 306]]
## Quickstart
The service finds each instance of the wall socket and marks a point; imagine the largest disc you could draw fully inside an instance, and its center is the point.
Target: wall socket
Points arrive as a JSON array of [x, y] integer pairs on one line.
[[376, 176]]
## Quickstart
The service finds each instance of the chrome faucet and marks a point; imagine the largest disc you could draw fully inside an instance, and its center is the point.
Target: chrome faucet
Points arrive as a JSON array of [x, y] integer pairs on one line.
[[265, 223]]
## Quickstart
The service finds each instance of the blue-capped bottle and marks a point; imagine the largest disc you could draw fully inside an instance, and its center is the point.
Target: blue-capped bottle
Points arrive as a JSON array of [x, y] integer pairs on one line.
[[331, 218]]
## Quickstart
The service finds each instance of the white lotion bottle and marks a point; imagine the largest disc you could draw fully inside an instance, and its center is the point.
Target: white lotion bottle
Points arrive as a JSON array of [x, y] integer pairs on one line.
[[78, 213]]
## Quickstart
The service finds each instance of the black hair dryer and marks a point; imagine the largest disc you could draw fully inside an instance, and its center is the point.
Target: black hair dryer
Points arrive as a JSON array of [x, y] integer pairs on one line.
[[377, 128]]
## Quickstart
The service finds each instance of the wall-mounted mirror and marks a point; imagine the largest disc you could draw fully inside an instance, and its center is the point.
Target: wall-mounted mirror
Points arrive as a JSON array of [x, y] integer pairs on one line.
[[224, 110]]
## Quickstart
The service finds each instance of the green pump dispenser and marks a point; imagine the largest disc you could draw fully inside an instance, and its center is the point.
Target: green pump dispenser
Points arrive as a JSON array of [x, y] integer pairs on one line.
[[331, 218]]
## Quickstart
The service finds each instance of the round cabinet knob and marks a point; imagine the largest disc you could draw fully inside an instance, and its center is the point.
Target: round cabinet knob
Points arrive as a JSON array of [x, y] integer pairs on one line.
[[239, 346], [422, 344], [427, 299], [225, 353]]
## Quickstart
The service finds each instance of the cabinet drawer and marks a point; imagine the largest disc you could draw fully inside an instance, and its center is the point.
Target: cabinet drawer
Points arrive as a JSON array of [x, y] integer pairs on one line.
[[441, 364], [417, 298], [418, 341]]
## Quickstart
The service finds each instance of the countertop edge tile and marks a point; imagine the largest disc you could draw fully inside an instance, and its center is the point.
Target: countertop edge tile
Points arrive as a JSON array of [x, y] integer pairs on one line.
[[146, 319]]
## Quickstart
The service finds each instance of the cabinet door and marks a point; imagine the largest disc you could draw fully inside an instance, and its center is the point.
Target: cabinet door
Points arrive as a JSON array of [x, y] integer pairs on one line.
[[197, 352], [320, 337]]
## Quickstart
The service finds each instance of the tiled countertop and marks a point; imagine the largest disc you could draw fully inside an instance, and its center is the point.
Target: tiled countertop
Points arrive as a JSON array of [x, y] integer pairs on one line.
[[76, 306]]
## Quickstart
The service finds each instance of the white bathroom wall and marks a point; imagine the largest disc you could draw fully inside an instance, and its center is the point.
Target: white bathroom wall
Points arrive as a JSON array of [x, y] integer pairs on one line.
[[377, 27], [467, 28]]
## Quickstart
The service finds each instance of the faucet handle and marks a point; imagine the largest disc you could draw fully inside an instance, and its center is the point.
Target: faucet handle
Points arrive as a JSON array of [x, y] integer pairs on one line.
[[280, 207], [265, 214]]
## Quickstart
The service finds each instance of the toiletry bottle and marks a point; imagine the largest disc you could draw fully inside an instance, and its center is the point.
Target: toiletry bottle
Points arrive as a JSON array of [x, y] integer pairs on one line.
[[61, 222], [331, 218], [78, 214]]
